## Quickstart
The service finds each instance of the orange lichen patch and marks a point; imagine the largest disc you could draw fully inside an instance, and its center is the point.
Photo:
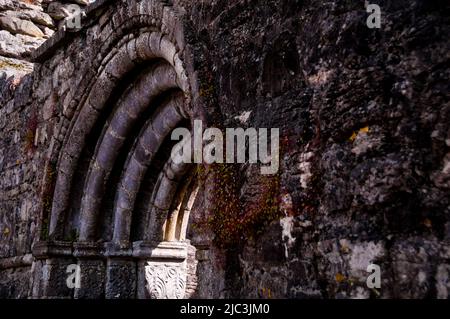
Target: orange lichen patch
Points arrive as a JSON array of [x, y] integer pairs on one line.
[[266, 293], [206, 91], [345, 250], [355, 134], [427, 223], [364, 130], [9, 63], [339, 277]]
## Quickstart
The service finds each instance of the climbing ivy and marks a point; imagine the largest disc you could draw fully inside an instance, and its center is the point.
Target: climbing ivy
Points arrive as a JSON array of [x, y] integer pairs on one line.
[[232, 219]]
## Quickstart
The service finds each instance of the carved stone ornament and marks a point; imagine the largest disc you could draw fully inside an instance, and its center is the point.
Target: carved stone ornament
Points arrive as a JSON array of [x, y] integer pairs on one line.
[[166, 280]]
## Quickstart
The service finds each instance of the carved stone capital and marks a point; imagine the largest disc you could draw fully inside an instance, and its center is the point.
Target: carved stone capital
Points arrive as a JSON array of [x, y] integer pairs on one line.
[[166, 280]]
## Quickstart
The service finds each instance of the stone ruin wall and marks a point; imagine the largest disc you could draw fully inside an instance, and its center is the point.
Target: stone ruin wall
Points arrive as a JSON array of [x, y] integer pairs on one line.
[[27, 24], [24, 26], [365, 122]]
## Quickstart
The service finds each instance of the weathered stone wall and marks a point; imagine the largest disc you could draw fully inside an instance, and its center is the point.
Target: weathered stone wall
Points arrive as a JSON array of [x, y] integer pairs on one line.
[[18, 184], [26, 24], [364, 117], [365, 144], [46, 103]]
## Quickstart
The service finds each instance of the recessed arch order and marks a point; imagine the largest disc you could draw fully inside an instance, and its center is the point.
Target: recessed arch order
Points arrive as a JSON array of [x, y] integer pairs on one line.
[[115, 184], [165, 75]]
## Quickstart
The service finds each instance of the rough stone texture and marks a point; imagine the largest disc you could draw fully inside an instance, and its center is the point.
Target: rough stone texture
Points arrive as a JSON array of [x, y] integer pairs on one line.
[[17, 46], [19, 26], [364, 118], [21, 278], [324, 75], [59, 11], [25, 25], [14, 68], [38, 17]]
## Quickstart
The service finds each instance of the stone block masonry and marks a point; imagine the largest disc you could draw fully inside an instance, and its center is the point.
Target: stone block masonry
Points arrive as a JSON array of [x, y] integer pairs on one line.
[[25, 25], [85, 170]]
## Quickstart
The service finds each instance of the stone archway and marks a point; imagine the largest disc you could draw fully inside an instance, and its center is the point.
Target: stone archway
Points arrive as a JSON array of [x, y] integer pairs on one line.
[[120, 207]]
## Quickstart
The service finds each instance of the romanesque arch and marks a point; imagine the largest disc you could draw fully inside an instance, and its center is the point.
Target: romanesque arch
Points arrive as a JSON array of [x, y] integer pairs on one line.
[[119, 207], [364, 163]]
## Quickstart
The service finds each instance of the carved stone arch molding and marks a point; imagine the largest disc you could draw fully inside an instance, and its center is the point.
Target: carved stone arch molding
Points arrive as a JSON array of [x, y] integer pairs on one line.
[[115, 204]]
